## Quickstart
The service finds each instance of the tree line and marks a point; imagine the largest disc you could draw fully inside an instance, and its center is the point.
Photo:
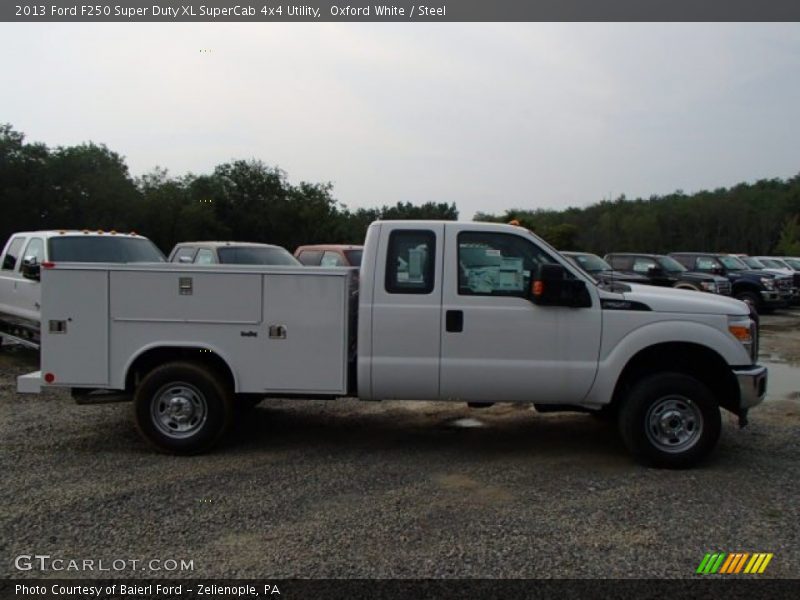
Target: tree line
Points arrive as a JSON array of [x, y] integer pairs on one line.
[[89, 186]]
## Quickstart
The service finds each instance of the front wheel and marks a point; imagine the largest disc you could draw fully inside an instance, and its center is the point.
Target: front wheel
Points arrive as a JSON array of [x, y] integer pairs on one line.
[[670, 420], [182, 408], [751, 299]]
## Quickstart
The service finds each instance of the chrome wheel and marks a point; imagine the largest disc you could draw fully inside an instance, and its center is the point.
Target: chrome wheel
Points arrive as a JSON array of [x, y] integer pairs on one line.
[[674, 424], [178, 410]]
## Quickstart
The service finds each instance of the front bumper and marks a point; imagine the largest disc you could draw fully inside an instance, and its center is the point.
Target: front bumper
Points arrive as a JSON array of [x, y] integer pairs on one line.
[[776, 298], [752, 385]]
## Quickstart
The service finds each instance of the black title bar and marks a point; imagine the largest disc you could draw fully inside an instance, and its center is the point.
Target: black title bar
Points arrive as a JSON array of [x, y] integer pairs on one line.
[[276, 11]]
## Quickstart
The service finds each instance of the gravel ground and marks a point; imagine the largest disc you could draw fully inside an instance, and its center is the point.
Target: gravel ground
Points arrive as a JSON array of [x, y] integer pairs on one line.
[[349, 489]]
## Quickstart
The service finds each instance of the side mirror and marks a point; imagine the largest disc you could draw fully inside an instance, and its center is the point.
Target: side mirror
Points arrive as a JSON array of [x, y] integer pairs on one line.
[[31, 269], [553, 288]]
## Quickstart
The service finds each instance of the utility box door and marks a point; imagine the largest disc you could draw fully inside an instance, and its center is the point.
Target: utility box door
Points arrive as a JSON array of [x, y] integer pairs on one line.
[[75, 326], [306, 333]]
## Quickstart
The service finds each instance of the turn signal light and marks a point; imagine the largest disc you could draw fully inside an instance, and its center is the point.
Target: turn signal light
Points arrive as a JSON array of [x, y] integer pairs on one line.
[[741, 333]]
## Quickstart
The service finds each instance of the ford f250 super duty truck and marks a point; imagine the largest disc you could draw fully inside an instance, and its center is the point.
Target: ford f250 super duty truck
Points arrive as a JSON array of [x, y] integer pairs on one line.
[[455, 311]]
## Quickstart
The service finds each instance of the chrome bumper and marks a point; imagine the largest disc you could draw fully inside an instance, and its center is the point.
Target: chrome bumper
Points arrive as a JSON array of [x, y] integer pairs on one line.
[[752, 386]]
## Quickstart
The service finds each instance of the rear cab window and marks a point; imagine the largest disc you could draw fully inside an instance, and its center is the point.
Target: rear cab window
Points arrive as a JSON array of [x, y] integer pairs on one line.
[[12, 255], [184, 254], [410, 262], [105, 249]]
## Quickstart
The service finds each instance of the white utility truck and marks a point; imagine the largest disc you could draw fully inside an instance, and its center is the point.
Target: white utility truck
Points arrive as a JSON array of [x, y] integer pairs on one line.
[[455, 311]]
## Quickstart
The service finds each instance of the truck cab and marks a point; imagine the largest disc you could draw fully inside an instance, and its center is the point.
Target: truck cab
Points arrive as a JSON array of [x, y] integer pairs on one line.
[[26, 252]]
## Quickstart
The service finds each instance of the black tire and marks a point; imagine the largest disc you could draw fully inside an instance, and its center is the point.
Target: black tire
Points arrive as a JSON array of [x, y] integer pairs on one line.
[[246, 405], [607, 414], [751, 299], [662, 409], [182, 395]]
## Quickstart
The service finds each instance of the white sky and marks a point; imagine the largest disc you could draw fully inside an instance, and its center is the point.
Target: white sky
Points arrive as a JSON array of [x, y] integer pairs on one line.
[[490, 116]]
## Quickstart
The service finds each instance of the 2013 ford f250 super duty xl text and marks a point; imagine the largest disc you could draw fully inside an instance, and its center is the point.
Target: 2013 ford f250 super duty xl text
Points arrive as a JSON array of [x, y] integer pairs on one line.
[[471, 312]]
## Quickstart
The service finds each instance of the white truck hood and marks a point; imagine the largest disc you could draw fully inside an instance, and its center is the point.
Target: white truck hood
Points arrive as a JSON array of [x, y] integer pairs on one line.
[[661, 299]]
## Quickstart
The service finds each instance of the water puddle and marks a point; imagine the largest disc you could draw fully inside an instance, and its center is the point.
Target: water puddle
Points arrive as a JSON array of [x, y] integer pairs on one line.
[[783, 381], [466, 423]]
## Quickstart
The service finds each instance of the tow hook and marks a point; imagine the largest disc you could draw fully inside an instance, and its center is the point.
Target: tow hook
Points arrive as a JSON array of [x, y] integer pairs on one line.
[[743, 419]]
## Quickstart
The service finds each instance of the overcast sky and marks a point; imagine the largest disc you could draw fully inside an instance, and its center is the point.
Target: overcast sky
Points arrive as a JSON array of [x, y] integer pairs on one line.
[[490, 116]]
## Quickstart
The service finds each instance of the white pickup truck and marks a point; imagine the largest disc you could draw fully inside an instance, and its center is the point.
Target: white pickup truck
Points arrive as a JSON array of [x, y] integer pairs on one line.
[[26, 252], [454, 311]]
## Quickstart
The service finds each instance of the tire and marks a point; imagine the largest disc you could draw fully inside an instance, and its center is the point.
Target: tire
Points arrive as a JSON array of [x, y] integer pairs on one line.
[[480, 404], [246, 405], [670, 420], [751, 299], [182, 408]]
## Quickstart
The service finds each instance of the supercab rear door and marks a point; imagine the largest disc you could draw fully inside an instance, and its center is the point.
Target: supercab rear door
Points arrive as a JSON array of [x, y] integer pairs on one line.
[[406, 317]]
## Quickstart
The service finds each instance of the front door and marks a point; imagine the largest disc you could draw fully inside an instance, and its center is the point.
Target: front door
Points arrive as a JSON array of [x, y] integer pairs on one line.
[[498, 346]]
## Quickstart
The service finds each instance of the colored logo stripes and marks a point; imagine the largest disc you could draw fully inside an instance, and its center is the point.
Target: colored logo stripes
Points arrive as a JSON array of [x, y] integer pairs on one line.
[[734, 563]]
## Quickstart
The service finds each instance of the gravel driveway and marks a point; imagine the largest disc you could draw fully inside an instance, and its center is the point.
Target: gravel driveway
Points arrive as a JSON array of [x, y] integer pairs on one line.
[[349, 489]]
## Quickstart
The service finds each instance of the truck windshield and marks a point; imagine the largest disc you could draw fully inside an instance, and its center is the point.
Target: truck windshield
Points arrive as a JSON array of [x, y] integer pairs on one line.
[[670, 265], [105, 249], [773, 263], [793, 262], [255, 255], [753, 263], [590, 262], [733, 264], [354, 257]]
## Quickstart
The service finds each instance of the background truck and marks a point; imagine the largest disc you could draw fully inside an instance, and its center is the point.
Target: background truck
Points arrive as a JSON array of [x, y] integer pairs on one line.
[[26, 252], [231, 253], [468, 312], [667, 272], [761, 290]]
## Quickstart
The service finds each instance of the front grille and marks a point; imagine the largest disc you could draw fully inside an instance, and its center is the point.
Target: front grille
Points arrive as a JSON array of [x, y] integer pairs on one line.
[[724, 288], [784, 283]]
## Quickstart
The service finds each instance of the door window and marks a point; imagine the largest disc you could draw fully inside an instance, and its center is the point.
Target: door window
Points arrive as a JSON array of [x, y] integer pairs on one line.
[[332, 259], [643, 265], [204, 257], [410, 262], [34, 251], [10, 259], [706, 263], [184, 255], [310, 258], [497, 264]]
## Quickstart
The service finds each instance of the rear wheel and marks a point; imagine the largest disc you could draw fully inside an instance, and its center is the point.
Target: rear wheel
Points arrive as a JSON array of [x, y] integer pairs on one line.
[[182, 408], [670, 420]]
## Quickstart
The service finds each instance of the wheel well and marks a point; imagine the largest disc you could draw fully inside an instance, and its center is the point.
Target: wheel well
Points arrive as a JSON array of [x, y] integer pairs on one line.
[[695, 360], [686, 286], [745, 287], [154, 357]]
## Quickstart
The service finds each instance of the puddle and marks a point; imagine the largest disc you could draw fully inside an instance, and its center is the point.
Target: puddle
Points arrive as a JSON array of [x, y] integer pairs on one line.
[[467, 423], [783, 381]]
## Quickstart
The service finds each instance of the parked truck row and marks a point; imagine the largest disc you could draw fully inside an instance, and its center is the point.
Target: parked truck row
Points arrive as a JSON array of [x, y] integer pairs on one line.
[[451, 311]]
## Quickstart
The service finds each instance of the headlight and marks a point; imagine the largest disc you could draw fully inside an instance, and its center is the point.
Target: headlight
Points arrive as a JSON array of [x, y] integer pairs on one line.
[[768, 283], [708, 286]]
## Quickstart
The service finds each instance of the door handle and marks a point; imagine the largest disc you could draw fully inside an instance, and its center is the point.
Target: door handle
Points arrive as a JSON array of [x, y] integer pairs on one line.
[[454, 321]]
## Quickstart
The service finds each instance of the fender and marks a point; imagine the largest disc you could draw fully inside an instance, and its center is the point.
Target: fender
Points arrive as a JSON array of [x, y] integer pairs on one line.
[[651, 334], [121, 378]]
